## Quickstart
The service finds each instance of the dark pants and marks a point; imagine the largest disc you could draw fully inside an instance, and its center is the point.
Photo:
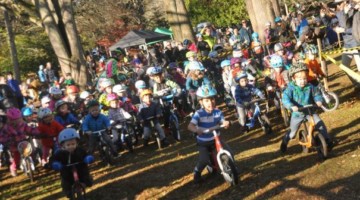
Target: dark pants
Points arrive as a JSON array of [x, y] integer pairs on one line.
[[67, 179]]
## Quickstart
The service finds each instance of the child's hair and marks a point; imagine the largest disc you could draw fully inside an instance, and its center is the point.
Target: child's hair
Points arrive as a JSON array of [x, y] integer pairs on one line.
[[194, 76]]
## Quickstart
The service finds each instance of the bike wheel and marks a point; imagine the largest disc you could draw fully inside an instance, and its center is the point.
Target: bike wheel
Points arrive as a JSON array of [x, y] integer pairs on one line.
[[285, 115], [303, 138], [331, 101], [229, 173], [108, 157], [321, 146], [128, 142], [133, 137], [78, 192], [265, 124], [158, 141], [174, 127], [29, 171]]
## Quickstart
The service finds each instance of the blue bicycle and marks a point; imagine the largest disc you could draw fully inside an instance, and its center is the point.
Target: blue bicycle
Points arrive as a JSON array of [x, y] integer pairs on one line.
[[257, 115]]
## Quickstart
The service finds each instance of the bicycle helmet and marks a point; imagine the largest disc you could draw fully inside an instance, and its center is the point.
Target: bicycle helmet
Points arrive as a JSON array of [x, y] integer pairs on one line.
[[238, 53], [55, 90], [213, 54], [140, 84], [111, 97], [311, 48], [118, 88], [225, 63], [59, 103], [276, 61], [254, 36], [206, 91], [233, 61], [298, 67], [92, 103], [26, 111], [155, 71], [13, 113], [190, 54], [186, 42], [44, 112], [195, 65], [240, 75], [106, 83], [145, 92], [172, 65], [198, 35], [68, 134], [278, 47], [84, 94], [278, 19], [268, 24], [72, 89], [45, 99], [148, 70], [122, 77]]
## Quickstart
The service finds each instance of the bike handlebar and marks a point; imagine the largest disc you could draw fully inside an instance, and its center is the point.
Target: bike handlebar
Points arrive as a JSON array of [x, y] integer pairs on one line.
[[99, 132]]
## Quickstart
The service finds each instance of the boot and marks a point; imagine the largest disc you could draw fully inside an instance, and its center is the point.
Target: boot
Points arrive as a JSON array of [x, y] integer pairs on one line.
[[283, 146], [197, 177], [330, 144], [164, 143], [146, 142]]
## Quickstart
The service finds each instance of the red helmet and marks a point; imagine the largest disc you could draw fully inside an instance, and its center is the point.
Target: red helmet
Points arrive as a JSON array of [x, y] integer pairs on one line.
[[72, 89]]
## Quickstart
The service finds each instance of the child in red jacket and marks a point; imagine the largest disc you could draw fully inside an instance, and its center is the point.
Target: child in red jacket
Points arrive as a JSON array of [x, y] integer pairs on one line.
[[51, 129]]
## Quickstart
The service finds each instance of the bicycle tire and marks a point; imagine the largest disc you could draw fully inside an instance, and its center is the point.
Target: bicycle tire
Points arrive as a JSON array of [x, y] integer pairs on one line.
[[230, 173], [128, 142], [265, 124], [333, 103], [133, 136], [321, 146], [78, 192], [174, 127], [285, 115], [303, 138], [158, 141], [28, 170]]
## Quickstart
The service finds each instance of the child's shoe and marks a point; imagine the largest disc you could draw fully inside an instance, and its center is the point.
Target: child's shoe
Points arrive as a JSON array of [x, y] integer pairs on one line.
[[283, 146], [197, 177]]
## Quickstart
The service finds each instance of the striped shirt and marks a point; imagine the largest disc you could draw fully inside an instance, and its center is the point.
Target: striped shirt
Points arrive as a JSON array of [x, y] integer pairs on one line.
[[204, 120]]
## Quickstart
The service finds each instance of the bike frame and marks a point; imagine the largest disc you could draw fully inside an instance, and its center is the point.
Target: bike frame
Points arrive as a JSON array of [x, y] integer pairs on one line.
[[310, 130], [220, 150], [256, 114]]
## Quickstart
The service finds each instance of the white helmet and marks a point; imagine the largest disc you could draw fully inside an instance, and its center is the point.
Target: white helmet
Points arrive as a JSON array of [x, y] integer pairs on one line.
[[43, 112], [118, 88], [55, 90], [278, 47], [45, 99], [140, 84], [84, 94], [238, 54]]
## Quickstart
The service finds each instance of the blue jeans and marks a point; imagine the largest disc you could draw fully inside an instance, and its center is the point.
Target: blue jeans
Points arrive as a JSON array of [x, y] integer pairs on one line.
[[158, 128]]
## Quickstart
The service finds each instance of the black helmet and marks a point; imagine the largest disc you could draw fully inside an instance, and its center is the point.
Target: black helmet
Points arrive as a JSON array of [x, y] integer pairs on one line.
[[298, 67]]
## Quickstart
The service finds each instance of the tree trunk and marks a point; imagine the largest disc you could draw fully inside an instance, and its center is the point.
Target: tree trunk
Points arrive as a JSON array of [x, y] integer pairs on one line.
[[64, 38], [258, 19], [13, 51], [276, 7], [179, 21]]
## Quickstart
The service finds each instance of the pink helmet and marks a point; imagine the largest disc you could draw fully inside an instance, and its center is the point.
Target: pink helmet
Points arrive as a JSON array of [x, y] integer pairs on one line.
[[111, 97], [13, 113], [233, 61]]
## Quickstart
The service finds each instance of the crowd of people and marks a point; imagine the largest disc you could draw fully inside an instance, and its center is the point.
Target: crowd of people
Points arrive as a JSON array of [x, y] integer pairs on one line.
[[130, 85]]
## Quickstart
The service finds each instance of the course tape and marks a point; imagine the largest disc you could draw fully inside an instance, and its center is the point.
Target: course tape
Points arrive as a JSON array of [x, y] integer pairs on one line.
[[337, 51], [346, 69]]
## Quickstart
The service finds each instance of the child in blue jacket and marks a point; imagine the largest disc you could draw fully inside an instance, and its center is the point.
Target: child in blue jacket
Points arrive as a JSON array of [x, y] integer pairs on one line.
[[298, 94]]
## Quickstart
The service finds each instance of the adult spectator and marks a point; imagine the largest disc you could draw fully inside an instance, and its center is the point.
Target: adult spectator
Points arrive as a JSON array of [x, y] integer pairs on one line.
[[171, 52], [41, 74], [7, 96], [208, 37], [50, 73], [345, 14], [245, 33], [15, 86], [202, 45], [303, 23], [235, 39]]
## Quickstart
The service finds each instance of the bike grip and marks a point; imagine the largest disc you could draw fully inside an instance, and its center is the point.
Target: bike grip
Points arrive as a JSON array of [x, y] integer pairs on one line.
[[89, 159], [56, 166]]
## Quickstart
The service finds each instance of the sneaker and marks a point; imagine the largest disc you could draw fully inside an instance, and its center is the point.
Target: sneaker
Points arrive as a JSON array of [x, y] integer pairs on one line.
[[330, 144], [13, 173], [283, 146], [197, 177]]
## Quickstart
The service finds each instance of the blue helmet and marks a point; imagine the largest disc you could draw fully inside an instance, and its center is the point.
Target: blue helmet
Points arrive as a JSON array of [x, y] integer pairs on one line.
[[195, 65], [225, 63], [155, 71], [140, 84], [240, 75], [255, 36], [277, 19], [186, 42], [213, 54], [276, 61], [26, 111], [68, 134], [206, 91]]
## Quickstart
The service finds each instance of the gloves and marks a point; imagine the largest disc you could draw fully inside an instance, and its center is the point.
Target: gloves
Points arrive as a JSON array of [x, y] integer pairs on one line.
[[57, 166], [89, 159]]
